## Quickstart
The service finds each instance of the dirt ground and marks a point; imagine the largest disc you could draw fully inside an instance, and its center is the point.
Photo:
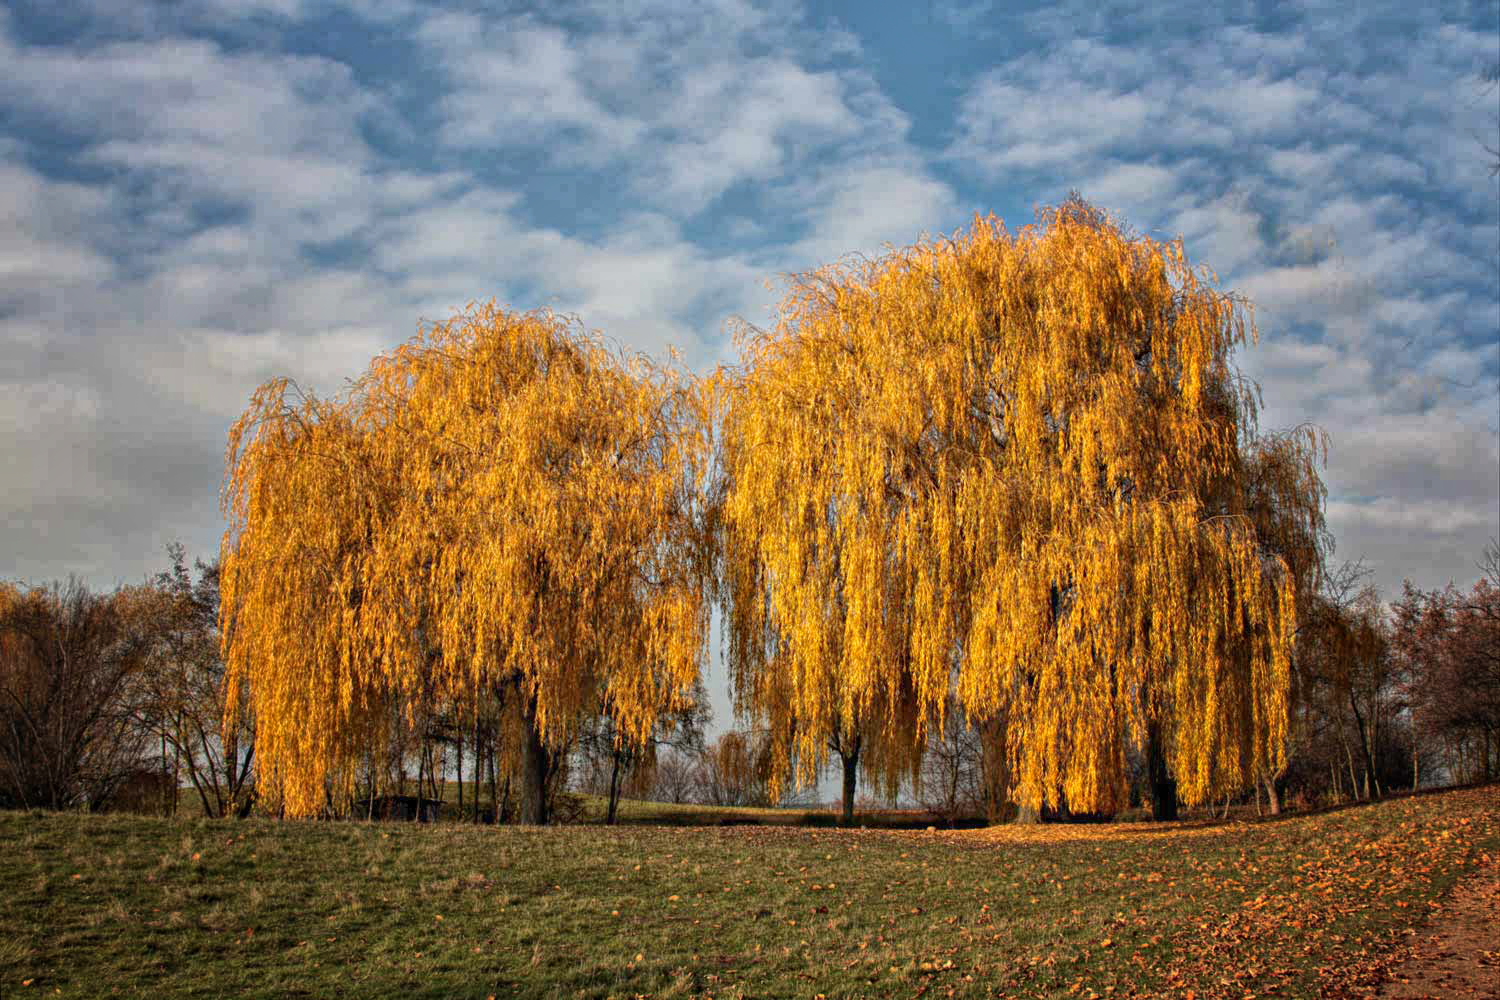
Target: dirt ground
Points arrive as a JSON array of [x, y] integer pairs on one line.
[[1457, 955]]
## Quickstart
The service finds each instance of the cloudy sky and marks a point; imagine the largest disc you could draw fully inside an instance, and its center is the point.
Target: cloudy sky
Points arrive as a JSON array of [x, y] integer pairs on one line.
[[200, 195]]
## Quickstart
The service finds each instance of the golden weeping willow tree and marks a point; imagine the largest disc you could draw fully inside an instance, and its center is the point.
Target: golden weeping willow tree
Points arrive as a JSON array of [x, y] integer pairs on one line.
[[1015, 464], [501, 506], [811, 566]]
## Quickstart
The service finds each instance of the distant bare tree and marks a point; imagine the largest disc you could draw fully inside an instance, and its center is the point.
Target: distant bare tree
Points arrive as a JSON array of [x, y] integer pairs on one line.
[[184, 692], [613, 765], [953, 776], [1449, 645], [735, 771], [68, 659], [675, 777], [1348, 675]]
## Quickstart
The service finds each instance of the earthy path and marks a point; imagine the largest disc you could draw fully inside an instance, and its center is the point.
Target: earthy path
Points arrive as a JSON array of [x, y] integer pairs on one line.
[[1457, 955]]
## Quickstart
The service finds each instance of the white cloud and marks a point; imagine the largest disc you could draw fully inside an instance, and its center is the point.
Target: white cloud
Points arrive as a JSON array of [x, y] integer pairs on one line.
[[133, 332], [517, 82], [682, 106], [860, 208], [41, 256]]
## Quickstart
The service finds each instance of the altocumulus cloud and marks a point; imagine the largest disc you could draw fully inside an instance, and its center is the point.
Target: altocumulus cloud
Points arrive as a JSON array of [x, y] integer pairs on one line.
[[199, 196], [1330, 168]]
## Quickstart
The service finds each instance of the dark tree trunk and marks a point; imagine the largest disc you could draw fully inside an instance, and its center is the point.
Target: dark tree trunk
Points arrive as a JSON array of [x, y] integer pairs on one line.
[[851, 779], [1349, 759], [478, 766], [1027, 816], [1372, 781], [1163, 785], [421, 773], [614, 789], [492, 749], [535, 764]]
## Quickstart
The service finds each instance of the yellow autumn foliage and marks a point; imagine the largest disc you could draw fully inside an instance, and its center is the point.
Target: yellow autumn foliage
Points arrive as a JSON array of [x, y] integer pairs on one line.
[[1021, 465], [502, 504]]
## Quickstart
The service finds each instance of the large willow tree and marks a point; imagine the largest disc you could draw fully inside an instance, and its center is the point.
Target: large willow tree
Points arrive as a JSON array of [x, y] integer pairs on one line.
[[1021, 466], [501, 506]]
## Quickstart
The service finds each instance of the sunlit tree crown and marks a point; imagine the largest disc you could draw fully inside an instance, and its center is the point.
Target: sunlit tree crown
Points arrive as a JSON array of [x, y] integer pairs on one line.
[[501, 501], [1018, 464]]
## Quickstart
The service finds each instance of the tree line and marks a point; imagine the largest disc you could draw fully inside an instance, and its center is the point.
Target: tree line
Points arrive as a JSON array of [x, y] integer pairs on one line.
[[989, 513], [128, 712]]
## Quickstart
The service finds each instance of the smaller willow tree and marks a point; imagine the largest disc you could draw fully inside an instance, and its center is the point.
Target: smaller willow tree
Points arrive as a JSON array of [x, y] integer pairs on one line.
[[501, 506], [1284, 499], [1021, 466], [820, 641]]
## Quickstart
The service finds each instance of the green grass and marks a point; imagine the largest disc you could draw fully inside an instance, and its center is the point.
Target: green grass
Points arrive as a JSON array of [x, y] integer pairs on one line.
[[134, 906]]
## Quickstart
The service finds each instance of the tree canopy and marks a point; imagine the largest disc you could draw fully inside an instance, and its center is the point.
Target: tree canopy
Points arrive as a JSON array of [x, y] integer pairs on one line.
[[1025, 466], [502, 504]]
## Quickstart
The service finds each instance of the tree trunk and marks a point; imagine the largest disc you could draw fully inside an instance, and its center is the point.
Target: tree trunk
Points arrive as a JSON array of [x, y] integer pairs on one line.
[[1372, 783], [1273, 800], [495, 778], [421, 773], [851, 779], [208, 809], [614, 789], [534, 767], [1163, 785], [953, 792], [478, 764], [1349, 757], [1027, 816]]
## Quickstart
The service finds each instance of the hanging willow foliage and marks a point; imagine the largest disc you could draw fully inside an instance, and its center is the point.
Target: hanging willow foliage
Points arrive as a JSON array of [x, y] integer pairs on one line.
[[500, 505], [1017, 463]]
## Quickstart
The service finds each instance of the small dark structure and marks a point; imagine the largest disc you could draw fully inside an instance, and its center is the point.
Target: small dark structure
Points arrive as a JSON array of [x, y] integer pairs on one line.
[[407, 808], [142, 790]]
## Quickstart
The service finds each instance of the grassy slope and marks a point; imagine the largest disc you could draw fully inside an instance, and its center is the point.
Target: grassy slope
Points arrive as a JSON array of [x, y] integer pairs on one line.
[[116, 905]]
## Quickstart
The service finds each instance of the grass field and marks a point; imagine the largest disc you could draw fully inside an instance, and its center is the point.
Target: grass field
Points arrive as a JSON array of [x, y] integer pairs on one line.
[[1302, 906]]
